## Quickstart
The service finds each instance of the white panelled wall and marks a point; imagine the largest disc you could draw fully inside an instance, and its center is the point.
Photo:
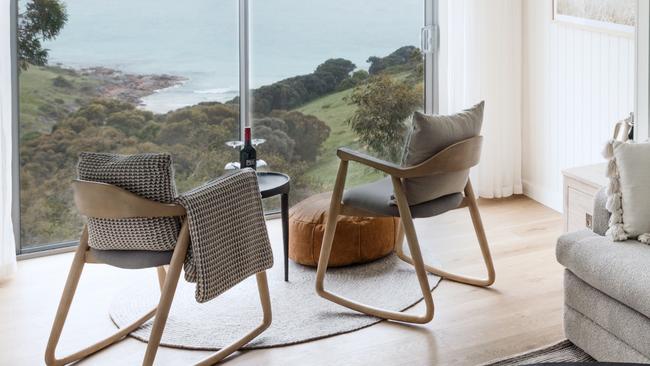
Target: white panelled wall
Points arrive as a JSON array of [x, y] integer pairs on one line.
[[576, 84]]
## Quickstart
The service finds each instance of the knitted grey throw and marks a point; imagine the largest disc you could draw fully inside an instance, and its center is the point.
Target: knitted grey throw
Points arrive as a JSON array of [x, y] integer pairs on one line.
[[228, 237]]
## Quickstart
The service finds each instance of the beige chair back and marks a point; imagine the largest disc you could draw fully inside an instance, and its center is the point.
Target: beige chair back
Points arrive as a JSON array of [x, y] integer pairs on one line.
[[457, 157], [101, 200]]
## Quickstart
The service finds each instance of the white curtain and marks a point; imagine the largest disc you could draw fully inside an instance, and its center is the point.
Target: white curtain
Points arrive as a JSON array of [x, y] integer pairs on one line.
[[7, 244], [481, 59]]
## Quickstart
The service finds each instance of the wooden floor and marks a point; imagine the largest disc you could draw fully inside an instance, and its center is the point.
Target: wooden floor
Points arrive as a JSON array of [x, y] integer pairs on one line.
[[471, 325]]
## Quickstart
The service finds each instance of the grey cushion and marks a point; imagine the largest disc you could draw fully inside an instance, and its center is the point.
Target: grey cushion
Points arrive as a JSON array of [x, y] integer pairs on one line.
[[631, 161], [619, 269], [428, 136], [600, 220], [132, 259], [376, 198], [596, 341], [148, 175], [621, 321]]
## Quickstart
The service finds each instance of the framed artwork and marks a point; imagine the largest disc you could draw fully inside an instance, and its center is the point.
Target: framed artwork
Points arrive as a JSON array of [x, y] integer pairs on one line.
[[614, 16]]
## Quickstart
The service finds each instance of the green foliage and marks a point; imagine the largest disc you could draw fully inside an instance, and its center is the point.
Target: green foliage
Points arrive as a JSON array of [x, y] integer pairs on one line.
[[61, 82], [404, 56], [43, 104], [293, 92], [292, 135], [334, 71], [195, 136], [320, 173], [307, 131], [277, 140], [42, 20], [358, 77], [383, 105], [302, 136]]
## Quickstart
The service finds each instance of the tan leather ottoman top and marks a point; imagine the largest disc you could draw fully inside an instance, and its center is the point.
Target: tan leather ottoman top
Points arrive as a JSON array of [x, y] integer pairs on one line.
[[357, 239]]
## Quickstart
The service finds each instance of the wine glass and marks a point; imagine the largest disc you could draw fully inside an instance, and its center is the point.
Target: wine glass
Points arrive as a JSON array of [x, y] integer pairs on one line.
[[234, 144]]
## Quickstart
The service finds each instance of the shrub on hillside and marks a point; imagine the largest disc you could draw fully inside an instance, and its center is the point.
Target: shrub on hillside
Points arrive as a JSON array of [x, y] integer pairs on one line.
[[407, 55], [383, 106]]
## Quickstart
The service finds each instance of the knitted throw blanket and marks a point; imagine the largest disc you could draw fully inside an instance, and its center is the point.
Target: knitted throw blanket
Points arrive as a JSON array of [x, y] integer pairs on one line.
[[228, 237]]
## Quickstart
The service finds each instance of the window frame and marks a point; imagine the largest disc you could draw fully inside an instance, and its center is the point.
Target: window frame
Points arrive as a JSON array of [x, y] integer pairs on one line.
[[642, 79], [431, 103], [15, 140]]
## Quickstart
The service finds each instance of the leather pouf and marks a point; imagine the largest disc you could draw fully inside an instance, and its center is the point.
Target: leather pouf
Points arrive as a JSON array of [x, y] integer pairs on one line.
[[357, 239]]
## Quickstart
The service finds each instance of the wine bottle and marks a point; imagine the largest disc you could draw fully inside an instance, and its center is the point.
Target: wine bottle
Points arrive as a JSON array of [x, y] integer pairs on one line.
[[247, 155]]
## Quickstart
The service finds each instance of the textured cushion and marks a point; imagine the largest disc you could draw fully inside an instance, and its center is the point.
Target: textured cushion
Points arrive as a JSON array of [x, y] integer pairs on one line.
[[148, 175], [428, 136], [600, 222], [357, 239], [619, 269], [621, 321], [132, 259], [596, 341], [629, 190], [376, 198]]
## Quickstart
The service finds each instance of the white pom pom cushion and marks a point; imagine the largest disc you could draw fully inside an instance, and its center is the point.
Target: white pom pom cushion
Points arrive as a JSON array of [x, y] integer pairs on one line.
[[628, 193]]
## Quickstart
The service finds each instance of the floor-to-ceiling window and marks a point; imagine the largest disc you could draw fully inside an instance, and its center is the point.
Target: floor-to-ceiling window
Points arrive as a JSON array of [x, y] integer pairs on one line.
[[129, 76], [333, 73]]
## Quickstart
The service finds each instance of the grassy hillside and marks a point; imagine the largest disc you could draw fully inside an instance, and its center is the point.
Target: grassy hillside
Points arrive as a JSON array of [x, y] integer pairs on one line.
[[49, 93], [335, 110]]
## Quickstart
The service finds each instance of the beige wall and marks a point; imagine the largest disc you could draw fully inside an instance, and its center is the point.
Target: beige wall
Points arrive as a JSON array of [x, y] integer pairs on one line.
[[576, 84]]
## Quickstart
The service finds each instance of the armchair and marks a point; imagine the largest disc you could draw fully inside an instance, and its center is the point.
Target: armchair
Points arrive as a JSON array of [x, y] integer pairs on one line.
[[373, 200], [101, 200]]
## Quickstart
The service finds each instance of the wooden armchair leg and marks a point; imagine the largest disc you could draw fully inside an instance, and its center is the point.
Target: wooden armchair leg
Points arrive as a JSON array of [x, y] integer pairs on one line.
[[167, 294], [483, 243], [162, 273], [265, 299], [418, 263], [64, 306]]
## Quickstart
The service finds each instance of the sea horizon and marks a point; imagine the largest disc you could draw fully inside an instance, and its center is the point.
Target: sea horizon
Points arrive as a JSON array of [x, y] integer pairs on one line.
[[288, 38]]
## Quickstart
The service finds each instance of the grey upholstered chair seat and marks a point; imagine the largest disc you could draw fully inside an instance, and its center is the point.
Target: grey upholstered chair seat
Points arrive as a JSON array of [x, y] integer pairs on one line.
[[619, 269], [375, 197], [132, 259]]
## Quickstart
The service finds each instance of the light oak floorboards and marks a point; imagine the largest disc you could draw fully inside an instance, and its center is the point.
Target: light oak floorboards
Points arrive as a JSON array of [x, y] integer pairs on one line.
[[523, 310]]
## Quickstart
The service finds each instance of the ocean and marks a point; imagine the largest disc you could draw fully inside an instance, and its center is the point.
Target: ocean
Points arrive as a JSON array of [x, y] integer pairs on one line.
[[198, 40]]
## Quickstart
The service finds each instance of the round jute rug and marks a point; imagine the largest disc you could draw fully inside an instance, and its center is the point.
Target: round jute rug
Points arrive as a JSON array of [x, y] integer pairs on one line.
[[299, 315]]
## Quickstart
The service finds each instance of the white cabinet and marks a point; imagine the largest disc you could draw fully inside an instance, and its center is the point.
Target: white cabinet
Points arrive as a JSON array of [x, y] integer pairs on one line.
[[580, 187]]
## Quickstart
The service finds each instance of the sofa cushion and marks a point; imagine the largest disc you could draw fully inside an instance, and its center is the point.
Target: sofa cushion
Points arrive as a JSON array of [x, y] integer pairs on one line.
[[628, 190], [598, 342], [619, 269], [621, 321]]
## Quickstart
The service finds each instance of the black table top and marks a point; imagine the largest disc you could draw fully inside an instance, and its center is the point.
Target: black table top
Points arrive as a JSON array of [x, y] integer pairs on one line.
[[272, 183]]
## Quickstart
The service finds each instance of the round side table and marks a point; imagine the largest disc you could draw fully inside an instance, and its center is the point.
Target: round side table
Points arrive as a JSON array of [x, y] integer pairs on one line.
[[273, 184]]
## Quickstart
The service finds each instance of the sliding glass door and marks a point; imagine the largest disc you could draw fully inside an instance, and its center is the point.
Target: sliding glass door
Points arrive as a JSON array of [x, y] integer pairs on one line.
[[123, 76], [331, 73], [128, 76]]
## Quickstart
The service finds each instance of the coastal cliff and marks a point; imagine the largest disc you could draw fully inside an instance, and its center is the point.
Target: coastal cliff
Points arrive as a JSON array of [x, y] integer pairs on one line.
[[47, 93]]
